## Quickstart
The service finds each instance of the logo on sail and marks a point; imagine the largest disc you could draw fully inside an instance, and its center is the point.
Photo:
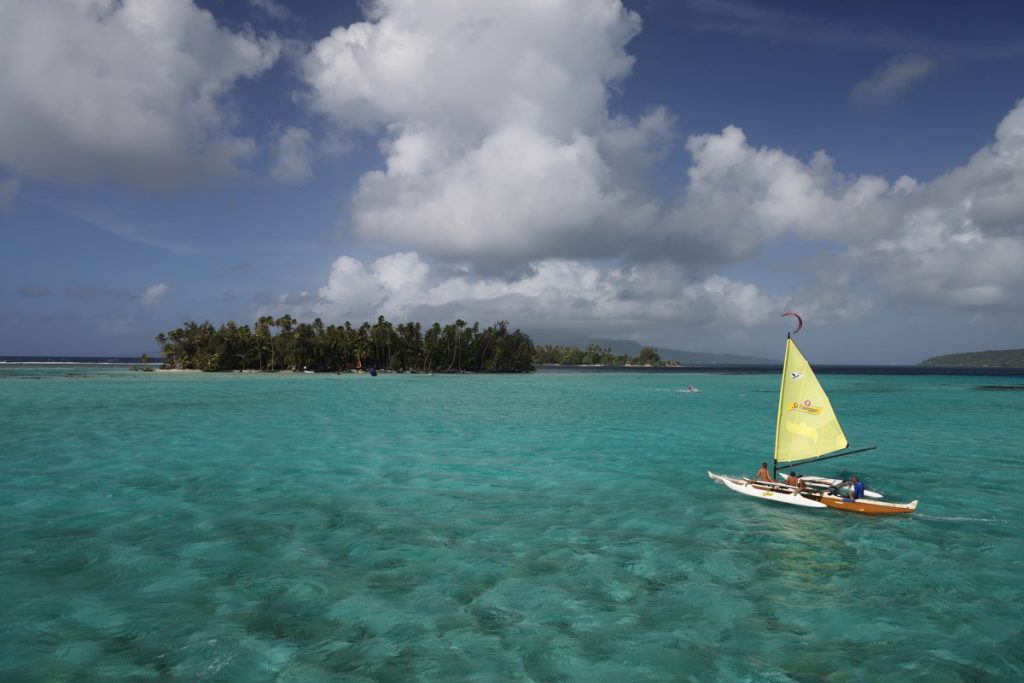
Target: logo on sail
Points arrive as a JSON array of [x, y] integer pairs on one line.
[[796, 375], [805, 407]]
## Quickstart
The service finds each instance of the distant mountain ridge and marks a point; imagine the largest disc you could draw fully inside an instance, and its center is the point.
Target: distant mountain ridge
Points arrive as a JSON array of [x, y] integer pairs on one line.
[[632, 348], [1009, 358]]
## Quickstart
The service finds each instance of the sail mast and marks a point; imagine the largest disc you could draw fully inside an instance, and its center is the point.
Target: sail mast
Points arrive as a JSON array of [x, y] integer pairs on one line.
[[778, 415]]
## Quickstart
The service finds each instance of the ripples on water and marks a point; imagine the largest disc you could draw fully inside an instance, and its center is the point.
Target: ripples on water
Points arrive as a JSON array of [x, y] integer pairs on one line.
[[557, 526]]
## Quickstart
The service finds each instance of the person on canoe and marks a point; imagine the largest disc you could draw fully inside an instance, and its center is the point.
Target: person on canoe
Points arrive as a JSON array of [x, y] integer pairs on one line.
[[794, 480], [762, 474], [857, 488]]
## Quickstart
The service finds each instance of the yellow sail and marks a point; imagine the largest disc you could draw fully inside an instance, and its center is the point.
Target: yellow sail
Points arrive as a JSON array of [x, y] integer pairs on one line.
[[807, 427]]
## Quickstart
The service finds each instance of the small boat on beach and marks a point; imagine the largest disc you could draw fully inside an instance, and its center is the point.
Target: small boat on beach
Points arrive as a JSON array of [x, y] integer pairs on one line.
[[807, 431]]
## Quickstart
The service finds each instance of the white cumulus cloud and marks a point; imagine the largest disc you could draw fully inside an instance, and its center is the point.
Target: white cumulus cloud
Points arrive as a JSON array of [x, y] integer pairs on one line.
[[152, 294], [500, 155], [498, 140], [653, 298], [956, 241], [740, 198], [961, 241], [125, 90]]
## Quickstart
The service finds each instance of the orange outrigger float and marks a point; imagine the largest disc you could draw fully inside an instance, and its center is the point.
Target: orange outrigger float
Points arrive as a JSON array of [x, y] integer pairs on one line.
[[864, 505]]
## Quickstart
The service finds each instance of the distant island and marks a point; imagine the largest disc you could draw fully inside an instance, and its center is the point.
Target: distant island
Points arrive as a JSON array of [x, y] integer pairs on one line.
[[595, 355], [666, 356], [1010, 358], [274, 344]]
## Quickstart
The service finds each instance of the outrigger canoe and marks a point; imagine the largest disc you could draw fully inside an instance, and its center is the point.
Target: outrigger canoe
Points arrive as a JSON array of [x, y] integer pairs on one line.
[[807, 430], [783, 493]]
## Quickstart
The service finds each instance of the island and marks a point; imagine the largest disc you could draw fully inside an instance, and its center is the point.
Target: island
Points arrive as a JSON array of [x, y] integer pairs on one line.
[[274, 344], [1009, 358]]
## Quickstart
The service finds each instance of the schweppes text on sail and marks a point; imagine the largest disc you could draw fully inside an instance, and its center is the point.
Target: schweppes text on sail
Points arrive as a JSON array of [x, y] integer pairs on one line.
[[805, 407]]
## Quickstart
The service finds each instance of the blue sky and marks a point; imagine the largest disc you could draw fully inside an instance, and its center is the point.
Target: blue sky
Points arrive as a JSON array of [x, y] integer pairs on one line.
[[675, 173]]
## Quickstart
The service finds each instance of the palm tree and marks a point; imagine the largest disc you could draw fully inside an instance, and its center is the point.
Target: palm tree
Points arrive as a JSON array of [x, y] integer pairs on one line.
[[453, 335], [264, 339], [431, 342], [285, 338], [166, 351]]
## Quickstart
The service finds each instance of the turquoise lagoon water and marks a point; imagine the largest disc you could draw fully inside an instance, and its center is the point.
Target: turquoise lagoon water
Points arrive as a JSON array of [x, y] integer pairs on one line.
[[549, 527]]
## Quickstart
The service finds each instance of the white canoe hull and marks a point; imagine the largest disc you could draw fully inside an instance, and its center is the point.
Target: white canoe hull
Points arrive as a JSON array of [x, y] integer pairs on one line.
[[776, 493]]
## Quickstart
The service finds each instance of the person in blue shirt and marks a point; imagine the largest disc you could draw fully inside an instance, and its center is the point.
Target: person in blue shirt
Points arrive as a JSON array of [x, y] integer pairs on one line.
[[856, 488]]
